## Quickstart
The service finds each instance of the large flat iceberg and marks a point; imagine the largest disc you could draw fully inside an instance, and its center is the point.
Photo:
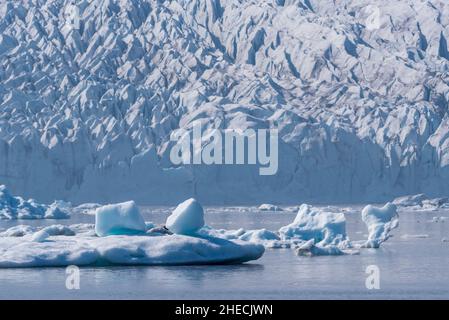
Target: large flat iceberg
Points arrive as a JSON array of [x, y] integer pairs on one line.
[[40, 249]]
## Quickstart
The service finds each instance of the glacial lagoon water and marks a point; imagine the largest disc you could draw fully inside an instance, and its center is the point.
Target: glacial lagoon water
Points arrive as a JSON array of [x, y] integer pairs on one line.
[[414, 264]]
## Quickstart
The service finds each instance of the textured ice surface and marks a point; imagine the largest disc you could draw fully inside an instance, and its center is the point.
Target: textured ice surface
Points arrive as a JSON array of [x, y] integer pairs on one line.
[[44, 249], [361, 107], [380, 223], [324, 232], [119, 219], [12, 207], [187, 218]]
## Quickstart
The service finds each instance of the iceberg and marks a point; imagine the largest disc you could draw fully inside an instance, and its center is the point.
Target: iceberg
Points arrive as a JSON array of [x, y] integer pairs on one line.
[[119, 219], [187, 218], [380, 223], [325, 228], [12, 208]]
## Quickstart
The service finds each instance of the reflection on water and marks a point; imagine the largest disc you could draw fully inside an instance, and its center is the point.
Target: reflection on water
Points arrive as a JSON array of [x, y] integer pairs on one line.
[[410, 268]]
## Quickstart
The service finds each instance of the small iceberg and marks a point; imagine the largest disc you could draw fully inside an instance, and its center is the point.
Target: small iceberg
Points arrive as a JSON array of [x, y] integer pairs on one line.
[[119, 219], [380, 223], [187, 218], [12, 208], [320, 232]]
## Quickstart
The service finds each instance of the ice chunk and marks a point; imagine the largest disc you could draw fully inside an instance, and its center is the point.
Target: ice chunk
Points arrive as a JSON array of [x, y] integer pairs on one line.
[[317, 232], [380, 223], [187, 218], [269, 207], [40, 236], [57, 210], [313, 223], [119, 219]]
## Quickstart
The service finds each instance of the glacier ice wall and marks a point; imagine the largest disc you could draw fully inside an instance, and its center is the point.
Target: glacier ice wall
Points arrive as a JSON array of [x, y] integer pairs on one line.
[[361, 106]]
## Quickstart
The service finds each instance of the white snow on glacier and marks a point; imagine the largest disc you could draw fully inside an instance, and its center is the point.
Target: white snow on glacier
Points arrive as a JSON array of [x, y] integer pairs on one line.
[[361, 107]]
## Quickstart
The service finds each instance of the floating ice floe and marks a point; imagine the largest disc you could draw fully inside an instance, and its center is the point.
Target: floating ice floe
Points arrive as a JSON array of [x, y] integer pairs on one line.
[[380, 223], [121, 237], [12, 207]]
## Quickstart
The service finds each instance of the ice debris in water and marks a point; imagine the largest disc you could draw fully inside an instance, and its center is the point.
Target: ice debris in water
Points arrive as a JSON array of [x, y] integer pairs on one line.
[[12, 207], [119, 219], [380, 223], [269, 207], [315, 231], [187, 218], [323, 232], [421, 202]]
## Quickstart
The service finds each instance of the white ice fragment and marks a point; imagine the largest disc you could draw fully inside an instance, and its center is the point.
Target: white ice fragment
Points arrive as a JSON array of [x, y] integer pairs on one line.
[[119, 219], [57, 210], [380, 223], [313, 223], [269, 207], [39, 236], [187, 218]]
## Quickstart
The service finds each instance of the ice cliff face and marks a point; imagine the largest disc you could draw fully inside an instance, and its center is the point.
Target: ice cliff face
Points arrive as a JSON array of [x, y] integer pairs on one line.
[[358, 90]]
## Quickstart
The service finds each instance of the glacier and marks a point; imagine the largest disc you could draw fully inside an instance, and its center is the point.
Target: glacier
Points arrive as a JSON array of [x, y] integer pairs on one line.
[[86, 113]]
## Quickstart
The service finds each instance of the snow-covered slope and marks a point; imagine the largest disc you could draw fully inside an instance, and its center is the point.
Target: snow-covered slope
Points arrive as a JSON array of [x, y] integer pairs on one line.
[[360, 103]]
